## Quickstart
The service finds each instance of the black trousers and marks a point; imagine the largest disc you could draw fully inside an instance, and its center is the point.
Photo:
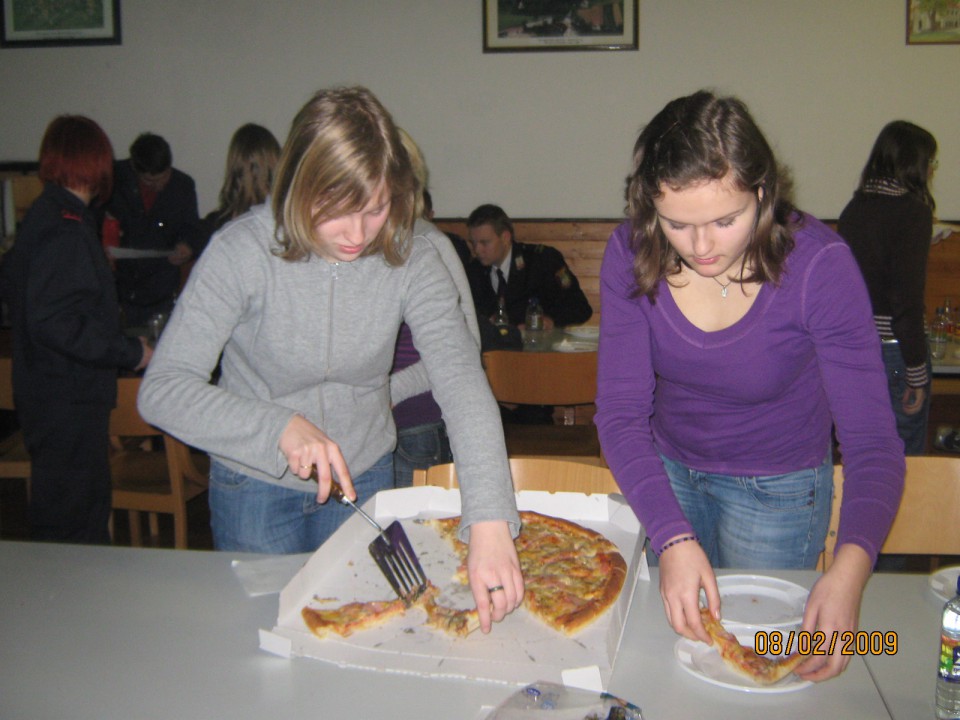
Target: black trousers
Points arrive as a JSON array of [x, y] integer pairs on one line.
[[70, 489]]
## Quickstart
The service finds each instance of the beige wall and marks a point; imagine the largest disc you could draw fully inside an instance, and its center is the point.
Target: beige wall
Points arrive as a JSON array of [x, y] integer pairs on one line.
[[544, 134]]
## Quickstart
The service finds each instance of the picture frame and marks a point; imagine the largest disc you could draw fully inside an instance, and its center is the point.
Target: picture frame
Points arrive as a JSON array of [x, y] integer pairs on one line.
[[933, 22], [59, 23], [556, 25]]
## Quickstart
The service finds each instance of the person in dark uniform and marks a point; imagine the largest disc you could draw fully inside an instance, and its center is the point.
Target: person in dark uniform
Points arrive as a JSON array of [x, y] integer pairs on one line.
[[156, 206], [67, 341], [529, 271]]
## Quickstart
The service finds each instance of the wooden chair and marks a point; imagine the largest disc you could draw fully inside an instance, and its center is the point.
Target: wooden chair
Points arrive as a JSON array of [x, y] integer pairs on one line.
[[14, 458], [146, 479], [545, 378], [928, 518], [534, 474]]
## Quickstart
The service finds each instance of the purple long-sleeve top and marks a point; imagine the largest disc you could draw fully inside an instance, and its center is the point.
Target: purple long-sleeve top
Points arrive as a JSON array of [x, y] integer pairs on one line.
[[757, 398]]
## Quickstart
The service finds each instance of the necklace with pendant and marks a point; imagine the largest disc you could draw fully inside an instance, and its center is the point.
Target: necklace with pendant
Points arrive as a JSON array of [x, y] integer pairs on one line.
[[723, 288]]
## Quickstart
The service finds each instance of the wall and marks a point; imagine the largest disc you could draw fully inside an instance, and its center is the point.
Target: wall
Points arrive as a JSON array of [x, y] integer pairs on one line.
[[544, 134]]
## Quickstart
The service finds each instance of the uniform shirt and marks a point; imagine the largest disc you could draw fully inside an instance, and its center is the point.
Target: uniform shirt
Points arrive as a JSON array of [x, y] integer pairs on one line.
[[67, 342], [756, 398], [536, 271]]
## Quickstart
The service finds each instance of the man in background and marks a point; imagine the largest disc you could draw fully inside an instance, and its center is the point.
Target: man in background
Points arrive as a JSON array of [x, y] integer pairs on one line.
[[156, 206], [518, 272]]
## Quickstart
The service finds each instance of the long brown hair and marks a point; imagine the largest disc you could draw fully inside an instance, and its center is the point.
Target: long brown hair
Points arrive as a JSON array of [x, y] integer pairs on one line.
[[343, 147], [702, 137]]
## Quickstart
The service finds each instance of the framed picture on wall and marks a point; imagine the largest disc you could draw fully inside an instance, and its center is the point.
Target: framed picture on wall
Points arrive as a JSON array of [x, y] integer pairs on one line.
[[56, 23], [538, 25], [933, 22]]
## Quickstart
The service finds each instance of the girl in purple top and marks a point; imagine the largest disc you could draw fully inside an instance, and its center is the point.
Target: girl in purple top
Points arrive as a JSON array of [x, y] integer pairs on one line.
[[735, 331]]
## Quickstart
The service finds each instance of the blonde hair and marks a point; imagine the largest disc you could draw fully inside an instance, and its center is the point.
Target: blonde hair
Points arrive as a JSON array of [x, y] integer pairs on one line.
[[420, 172], [343, 149], [251, 159]]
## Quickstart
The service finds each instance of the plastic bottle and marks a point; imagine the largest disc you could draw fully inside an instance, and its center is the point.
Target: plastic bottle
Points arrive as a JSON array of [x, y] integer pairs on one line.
[[938, 336], [948, 679], [534, 322], [948, 317]]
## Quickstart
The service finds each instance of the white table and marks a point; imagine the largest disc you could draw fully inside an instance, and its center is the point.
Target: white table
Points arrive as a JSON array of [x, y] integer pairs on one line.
[[905, 604], [100, 632]]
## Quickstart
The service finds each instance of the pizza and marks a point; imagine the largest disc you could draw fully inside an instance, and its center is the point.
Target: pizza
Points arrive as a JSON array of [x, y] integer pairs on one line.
[[352, 617], [572, 574], [357, 616], [743, 659]]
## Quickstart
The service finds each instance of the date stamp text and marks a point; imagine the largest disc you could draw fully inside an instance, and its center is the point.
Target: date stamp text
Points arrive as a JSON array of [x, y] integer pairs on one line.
[[776, 642]]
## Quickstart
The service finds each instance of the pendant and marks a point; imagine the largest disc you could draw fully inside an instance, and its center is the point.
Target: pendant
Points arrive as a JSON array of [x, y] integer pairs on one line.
[[723, 290]]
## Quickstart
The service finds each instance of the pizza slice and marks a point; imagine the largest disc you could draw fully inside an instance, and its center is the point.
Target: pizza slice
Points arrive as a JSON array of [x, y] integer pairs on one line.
[[452, 621], [352, 617], [743, 659]]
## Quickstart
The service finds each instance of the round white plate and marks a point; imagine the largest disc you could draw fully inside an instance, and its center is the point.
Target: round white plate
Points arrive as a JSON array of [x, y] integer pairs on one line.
[[761, 600], [591, 332], [704, 662], [944, 582]]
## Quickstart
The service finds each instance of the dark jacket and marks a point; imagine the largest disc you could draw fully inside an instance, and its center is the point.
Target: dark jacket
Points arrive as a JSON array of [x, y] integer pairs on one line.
[[172, 219], [535, 271], [67, 343]]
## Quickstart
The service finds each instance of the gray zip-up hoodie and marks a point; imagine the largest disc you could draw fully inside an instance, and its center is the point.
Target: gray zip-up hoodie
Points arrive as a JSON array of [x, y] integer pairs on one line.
[[317, 338]]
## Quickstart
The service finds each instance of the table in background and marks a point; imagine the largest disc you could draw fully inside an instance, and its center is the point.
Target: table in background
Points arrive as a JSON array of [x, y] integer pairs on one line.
[[94, 632]]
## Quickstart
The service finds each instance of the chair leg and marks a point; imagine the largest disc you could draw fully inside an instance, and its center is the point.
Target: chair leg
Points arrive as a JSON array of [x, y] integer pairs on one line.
[[180, 530], [154, 527], [136, 537]]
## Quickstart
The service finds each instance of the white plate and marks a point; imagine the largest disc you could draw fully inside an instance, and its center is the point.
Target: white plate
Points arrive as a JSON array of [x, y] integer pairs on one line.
[[704, 662], [591, 332], [761, 600], [944, 582]]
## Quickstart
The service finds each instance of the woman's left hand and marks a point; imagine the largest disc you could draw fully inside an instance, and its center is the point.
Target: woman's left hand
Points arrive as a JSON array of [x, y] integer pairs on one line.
[[494, 571], [834, 608]]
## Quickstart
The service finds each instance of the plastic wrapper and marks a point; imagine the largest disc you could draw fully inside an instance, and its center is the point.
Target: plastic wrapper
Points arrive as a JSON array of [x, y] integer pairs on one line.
[[549, 701]]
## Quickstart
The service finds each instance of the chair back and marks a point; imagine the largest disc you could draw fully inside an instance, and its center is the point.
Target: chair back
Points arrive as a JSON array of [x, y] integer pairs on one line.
[[542, 378], [150, 481], [929, 514], [125, 420], [534, 474], [6, 383]]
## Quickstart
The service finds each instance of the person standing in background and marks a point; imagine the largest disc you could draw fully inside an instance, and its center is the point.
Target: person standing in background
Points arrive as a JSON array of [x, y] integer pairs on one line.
[[422, 440], [889, 225], [67, 340], [251, 159], [156, 206]]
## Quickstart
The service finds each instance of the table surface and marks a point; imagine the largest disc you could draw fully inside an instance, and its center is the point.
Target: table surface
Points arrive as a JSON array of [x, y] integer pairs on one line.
[[94, 632]]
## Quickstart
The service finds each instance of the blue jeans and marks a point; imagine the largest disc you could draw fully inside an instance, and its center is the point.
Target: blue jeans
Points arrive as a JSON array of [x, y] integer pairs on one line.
[[249, 515], [912, 429], [421, 446], [748, 522]]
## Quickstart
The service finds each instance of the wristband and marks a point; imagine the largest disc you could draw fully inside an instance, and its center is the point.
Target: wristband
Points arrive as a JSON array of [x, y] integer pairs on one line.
[[679, 540]]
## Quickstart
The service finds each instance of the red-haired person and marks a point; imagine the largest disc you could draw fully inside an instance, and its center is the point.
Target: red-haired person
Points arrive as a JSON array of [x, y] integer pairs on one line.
[[67, 340]]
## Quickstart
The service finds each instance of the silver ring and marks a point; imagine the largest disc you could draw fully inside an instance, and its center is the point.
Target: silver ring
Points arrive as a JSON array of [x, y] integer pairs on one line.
[[495, 588], [304, 467]]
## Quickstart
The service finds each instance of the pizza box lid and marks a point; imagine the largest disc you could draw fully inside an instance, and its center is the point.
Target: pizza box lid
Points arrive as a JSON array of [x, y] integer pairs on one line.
[[519, 650]]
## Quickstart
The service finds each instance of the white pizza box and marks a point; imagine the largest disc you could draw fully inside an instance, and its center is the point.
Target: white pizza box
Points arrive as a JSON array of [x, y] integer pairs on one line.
[[519, 650]]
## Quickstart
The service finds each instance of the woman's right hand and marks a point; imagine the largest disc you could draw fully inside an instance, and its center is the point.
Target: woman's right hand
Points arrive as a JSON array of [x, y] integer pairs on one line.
[[308, 449], [684, 570]]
